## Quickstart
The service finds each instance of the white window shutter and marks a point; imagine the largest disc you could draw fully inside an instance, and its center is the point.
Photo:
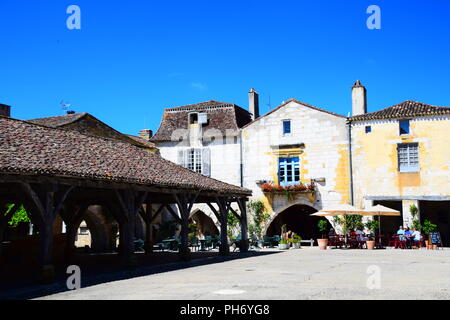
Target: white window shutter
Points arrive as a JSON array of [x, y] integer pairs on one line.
[[182, 158], [206, 162], [202, 118]]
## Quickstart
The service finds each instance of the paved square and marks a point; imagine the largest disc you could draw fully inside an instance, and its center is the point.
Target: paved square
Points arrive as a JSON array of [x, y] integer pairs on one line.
[[297, 274]]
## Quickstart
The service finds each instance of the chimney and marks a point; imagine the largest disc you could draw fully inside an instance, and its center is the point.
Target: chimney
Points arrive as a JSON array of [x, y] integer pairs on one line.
[[359, 99], [146, 134], [253, 103], [5, 110]]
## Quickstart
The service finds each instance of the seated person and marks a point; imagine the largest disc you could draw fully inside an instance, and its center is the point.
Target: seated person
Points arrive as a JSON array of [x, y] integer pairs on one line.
[[401, 233], [417, 237], [408, 236], [360, 235], [332, 233], [352, 233]]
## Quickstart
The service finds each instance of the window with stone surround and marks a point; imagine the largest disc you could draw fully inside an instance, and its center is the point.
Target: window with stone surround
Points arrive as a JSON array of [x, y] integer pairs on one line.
[[288, 171], [408, 157]]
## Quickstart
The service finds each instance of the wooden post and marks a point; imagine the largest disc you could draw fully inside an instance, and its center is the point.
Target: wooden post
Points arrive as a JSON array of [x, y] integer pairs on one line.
[[130, 203], [147, 216], [48, 200], [183, 207], [244, 225], [223, 213], [72, 218], [185, 203], [4, 219]]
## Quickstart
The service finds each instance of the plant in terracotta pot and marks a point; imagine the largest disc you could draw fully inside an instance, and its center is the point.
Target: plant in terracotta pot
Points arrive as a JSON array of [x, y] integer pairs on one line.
[[428, 227], [323, 242], [372, 226]]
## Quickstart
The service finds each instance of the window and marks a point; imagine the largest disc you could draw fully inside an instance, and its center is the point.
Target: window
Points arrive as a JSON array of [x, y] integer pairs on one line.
[[196, 159], [368, 129], [408, 157], [404, 126], [289, 171], [286, 126], [194, 162]]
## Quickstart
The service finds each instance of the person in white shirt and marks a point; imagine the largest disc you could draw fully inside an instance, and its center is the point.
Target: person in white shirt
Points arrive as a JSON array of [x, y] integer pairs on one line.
[[417, 237]]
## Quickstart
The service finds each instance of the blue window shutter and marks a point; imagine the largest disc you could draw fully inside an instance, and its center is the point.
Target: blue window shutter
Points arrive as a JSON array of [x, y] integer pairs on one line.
[[206, 162]]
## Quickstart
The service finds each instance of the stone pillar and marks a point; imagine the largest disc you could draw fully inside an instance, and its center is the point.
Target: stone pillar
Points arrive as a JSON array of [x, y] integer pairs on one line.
[[407, 216]]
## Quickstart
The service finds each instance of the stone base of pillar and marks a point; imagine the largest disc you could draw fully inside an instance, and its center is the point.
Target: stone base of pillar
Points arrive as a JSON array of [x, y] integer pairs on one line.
[[47, 274], [130, 263], [224, 250], [185, 254], [148, 249], [244, 245]]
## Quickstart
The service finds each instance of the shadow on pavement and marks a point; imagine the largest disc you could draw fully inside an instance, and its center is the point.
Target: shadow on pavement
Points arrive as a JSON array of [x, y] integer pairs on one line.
[[101, 269]]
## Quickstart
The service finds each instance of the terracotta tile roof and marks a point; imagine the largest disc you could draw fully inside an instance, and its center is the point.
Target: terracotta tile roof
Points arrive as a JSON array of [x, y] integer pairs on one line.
[[296, 101], [405, 109], [141, 141], [88, 124], [221, 116], [27, 148], [58, 121]]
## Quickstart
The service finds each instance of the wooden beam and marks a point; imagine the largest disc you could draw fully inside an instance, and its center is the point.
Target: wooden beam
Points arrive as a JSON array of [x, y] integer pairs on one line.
[[176, 217]]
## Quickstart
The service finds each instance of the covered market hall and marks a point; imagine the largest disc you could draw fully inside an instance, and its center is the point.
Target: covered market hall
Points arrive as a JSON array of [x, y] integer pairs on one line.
[[58, 174]]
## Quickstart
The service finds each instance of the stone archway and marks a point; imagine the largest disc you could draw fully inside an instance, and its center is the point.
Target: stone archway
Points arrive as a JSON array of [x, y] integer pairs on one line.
[[206, 225], [297, 218]]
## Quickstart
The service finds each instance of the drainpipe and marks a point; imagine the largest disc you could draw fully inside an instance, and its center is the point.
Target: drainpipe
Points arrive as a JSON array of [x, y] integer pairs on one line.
[[242, 159], [349, 124]]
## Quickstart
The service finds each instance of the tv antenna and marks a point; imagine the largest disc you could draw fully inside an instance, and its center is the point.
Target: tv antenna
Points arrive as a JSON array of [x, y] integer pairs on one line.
[[65, 107], [269, 104]]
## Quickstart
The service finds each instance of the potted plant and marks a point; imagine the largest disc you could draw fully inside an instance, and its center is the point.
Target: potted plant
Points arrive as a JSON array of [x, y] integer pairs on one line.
[[323, 242], [296, 241], [428, 227], [371, 225], [283, 244]]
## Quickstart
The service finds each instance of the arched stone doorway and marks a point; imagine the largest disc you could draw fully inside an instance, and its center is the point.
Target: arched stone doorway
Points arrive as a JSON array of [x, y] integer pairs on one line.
[[206, 225], [298, 219]]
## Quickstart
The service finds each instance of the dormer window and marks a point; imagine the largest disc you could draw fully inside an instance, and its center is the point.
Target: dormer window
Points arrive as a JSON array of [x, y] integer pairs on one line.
[[193, 118]]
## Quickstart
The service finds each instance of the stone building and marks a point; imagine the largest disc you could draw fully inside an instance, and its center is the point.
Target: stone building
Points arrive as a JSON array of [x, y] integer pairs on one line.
[[206, 138], [397, 157], [292, 144], [400, 158]]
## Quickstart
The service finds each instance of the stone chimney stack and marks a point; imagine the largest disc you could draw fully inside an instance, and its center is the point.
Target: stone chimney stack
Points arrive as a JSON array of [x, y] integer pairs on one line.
[[253, 103], [146, 134], [5, 110], [359, 99]]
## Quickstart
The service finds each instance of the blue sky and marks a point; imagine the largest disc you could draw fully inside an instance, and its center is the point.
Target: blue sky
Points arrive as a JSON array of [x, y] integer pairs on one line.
[[131, 59]]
